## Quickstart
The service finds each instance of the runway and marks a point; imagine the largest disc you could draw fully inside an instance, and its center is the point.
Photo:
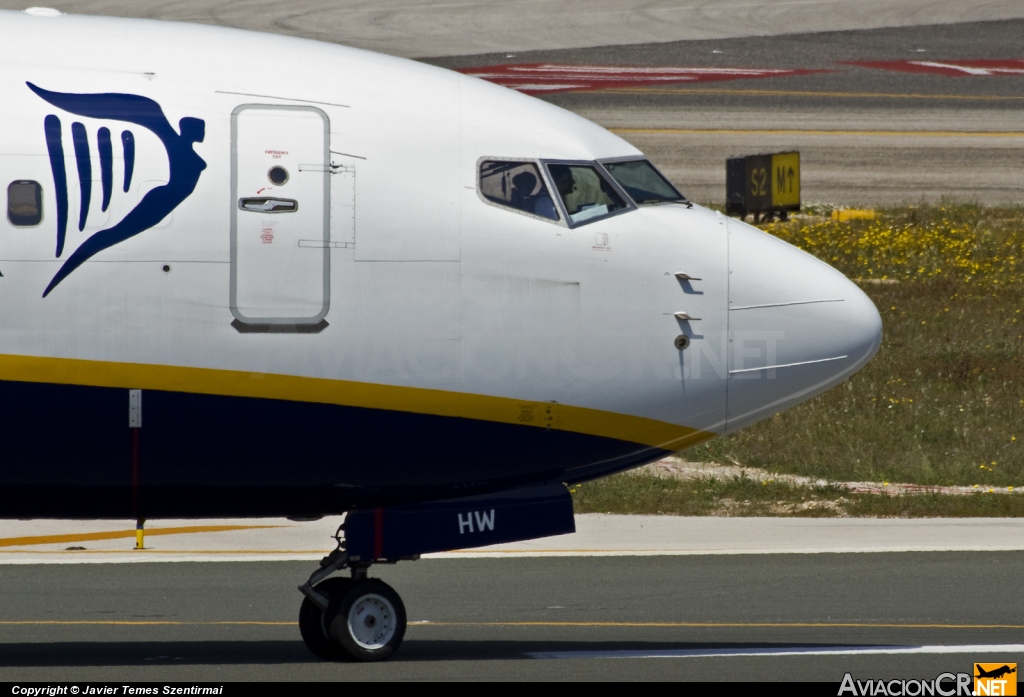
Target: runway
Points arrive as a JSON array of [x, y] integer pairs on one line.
[[867, 136], [710, 617], [418, 28]]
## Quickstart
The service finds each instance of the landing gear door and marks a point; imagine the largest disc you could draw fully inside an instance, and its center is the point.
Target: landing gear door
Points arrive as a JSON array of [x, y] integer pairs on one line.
[[280, 215]]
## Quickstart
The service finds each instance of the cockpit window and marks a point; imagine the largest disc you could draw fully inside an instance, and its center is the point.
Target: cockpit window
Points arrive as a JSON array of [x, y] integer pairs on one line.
[[642, 182], [585, 193], [516, 185]]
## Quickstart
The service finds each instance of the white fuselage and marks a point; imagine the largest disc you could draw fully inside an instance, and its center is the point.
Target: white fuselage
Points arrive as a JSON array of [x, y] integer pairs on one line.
[[393, 286]]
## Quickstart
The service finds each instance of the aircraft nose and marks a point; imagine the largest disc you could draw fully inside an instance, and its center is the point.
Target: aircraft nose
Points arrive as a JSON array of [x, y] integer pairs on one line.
[[796, 326]]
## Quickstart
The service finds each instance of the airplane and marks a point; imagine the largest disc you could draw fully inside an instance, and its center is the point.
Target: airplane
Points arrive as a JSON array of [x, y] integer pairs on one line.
[[250, 275], [995, 673]]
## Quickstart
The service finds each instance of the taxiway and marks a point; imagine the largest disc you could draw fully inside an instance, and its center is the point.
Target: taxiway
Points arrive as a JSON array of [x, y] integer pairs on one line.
[[708, 617], [626, 597]]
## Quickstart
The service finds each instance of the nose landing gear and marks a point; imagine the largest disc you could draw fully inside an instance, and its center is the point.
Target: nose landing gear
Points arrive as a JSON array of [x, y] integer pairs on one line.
[[350, 619], [357, 618]]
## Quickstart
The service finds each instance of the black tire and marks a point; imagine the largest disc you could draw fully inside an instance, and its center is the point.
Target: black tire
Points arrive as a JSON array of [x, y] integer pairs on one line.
[[378, 621], [311, 620]]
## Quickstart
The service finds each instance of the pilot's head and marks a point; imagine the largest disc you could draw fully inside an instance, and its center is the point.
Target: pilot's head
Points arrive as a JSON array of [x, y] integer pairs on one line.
[[564, 181], [524, 182]]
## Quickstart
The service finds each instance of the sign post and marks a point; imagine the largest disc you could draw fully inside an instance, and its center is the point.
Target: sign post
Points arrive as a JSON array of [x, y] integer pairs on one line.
[[764, 186], [135, 425]]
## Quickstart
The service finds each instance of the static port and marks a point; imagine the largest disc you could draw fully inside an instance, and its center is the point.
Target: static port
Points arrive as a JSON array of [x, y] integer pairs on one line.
[[682, 341], [167, 268]]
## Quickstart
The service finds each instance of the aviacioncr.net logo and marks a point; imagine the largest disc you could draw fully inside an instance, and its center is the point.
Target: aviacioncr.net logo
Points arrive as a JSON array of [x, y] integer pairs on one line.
[[995, 679], [944, 685]]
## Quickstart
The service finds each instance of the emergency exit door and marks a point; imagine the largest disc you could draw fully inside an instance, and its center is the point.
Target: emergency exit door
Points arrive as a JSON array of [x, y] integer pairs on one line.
[[280, 196]]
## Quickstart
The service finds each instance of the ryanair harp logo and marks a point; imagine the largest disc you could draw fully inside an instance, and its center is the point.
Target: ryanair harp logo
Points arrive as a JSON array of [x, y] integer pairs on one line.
[[995, 679], [185, 166]]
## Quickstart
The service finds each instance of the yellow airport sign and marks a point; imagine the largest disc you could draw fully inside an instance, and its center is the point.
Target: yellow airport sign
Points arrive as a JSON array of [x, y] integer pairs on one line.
[[763, 184], [786, 180]]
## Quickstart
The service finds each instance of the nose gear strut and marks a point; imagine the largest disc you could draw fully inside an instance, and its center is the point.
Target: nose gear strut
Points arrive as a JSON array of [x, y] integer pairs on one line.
[[354, 618], [363, 619]]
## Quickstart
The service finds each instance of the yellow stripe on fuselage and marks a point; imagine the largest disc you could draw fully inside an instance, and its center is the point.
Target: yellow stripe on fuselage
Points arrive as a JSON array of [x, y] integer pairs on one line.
[[416, 400]]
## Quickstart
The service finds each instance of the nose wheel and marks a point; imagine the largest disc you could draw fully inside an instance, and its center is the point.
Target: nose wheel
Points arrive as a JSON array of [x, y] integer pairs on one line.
[[350, 619], [367, 622], [312, 626]]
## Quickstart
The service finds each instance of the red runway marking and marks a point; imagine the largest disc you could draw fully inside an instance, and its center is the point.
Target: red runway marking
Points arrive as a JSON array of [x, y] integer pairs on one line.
[[952, 68], [542, 78]]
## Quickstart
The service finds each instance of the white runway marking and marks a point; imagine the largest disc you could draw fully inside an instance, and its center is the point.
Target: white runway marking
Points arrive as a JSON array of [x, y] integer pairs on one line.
[[784, 651], [532, 79]]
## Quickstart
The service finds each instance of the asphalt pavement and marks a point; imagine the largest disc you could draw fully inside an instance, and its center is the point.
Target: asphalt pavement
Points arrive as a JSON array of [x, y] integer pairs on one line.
[[417, 28], [739, 617], [626, 597]]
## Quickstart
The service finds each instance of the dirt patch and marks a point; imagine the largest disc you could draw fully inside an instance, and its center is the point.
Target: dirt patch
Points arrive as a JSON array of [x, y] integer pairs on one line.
[[678, 468]]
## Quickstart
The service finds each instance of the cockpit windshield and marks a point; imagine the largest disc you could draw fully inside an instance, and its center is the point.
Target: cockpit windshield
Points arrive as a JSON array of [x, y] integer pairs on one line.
[[585, 193], [642, 182]]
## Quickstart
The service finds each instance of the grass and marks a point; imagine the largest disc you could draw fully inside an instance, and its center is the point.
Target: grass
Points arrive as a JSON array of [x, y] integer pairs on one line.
[[942, 403]]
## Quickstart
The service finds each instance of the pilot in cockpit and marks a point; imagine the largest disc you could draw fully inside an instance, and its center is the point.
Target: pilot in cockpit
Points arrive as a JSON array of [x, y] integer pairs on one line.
[[524, 198], [580, 188]]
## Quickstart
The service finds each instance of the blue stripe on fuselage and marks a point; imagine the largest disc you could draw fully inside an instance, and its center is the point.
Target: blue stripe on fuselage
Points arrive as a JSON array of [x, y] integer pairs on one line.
[[67, 453]]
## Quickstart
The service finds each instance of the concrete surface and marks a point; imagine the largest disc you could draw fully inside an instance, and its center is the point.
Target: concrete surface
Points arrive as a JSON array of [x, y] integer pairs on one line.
[[49, 541]]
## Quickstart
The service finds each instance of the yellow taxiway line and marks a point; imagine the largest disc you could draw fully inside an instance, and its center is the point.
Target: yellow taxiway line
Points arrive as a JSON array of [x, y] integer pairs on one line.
[[426, 623], [119, 534], [810, 93], [135, 552], [815, 132]]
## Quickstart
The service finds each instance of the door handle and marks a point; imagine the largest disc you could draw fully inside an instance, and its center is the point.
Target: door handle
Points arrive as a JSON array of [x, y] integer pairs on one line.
[[264, 204]]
